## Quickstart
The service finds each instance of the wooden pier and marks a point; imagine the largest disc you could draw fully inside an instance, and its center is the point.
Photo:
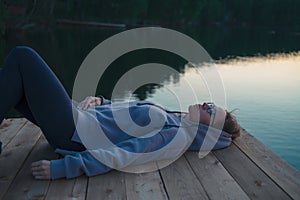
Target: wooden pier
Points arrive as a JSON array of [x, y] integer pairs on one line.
[[245, 170]]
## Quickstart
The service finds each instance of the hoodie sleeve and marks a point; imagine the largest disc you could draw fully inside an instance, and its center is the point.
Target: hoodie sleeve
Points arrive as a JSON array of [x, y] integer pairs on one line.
[[104, 101], [74, 165]]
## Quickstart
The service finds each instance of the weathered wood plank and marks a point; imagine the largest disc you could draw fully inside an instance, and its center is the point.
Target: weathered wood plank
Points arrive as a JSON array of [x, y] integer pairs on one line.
[[80, 188], [13, 156], [9, 129], [247, 169], [281, 172], [107, 186], [210, 172], [251, 179], [181, 182], [24, 185], [145, 186], [68, 189]]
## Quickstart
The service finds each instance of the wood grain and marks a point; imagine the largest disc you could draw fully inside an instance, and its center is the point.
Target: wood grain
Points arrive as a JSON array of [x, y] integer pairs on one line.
[[251, 179], [145, 186], [181, 182], [15, 153], [24, 186], [245, 170], [280, 171], [210, 172], [9, 129], [68, 189], [108, 186]]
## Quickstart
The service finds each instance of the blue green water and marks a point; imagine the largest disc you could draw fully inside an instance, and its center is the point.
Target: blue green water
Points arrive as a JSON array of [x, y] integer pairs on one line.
[[266, 90]]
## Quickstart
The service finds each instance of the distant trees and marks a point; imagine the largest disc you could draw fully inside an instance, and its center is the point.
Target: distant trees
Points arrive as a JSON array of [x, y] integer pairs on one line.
[[245, 12], [171, 12]]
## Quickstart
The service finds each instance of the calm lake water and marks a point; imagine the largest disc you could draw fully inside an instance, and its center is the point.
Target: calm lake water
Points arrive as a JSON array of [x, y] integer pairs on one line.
[[264, 88]]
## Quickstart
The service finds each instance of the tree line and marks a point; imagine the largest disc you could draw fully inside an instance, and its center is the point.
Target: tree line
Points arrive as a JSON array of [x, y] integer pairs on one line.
[[246, 13]]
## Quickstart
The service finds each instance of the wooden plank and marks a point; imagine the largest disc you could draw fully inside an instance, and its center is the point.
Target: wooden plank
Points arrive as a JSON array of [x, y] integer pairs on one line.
[[80, 188], [15, 153], [280, 171], [181, 182], [68, 189], [9, 129], [210, 172], [24, 185], [251, 179], [145, 186], [107, 186]]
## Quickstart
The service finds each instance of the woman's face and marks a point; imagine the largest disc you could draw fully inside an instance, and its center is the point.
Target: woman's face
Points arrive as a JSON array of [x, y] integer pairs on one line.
[[203, 112]]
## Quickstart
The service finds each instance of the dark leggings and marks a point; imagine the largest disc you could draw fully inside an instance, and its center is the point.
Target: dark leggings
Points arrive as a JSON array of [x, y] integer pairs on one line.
[[28, 85]]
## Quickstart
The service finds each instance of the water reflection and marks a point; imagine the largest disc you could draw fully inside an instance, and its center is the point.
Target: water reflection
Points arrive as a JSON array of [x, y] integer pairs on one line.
[[265, 90], [65, 47], [136, 58]]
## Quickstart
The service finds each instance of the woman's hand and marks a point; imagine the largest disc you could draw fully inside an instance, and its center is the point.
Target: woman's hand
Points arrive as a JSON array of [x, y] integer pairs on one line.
[[90, 102], [41, 169]]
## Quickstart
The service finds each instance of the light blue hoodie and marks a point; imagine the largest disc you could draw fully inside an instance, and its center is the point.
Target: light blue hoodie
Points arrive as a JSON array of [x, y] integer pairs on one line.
[[149, 145]]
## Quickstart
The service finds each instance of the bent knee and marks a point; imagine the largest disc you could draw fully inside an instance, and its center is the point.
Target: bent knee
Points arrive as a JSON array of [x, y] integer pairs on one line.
[[25, 56], [21, 50]]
